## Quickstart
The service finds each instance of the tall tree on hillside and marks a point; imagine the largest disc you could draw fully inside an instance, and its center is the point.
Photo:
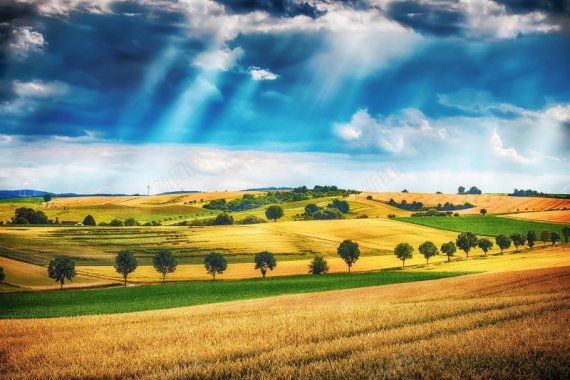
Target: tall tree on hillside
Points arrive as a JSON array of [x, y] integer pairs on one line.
[[544, 237], [448, 249], [318, 265], [554, 237], [274, 212], [61, 268], [2, 275], [483, 211], [89, 221], [47, 197], [125, 264], [530, 238], [404, 251], [264, 261], [349, 251], [566, 234], [461, 190], [485, 245], [518, 240], [428, 249], [164, 262], [215, 264], [465, 241], [503, 242]]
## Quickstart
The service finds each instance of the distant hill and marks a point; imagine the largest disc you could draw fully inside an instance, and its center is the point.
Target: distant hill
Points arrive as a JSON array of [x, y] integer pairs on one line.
[[5, 194], [269, 188], [181, 192]]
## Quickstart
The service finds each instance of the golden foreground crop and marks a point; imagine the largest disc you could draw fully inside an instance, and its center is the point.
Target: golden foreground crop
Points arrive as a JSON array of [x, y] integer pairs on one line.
[[502, 325]]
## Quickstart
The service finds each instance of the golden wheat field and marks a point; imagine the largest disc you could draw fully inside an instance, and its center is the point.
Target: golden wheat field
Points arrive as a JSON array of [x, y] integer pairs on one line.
[[495, 204], [505, 325], [559, 216]]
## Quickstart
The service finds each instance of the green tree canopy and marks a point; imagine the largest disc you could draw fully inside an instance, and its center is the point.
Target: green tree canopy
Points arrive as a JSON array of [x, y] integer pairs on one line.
[[223, 219], [428, 249], [566, 234], [164, 262], [349, 251], [61, 268], [503, 242], [340, 205], [530, 238], [544, 237], [129, 222], [264, 261], [449, 249], [404, 251], [518, 240], [483, 211], [125, 264], [554, 237], [319, 265], [25, 215], [89, 221], [47, 197], [215, 264], [274, 212], [485, 245], [311, 208], [465, 241]]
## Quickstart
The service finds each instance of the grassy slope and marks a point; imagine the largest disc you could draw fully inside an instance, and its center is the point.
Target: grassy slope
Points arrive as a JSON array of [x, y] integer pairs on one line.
[[484, 225], [120, 300]]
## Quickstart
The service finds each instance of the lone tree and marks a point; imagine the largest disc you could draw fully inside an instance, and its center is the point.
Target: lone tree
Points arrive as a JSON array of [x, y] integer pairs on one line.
[[566, 234], [485, 245], [544, 237], [465, 241], [164, 262], [449, 249], [47, 197], [461, 190], [503, 242], [125, 264], [340, 205], [554, 237], [311, 208], [89, 221], [274, 212], [61, 268], [483, 211], [319, 265], [2, 275], [348, 250], [215, 264], [428, 249], [518, 240], [404, 251], [264, 261], [530, 238], [223, 219]]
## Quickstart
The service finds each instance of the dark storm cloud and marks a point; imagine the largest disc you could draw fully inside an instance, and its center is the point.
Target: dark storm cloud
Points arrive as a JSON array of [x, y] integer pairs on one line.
[[438, 19], [551, 7], [276, 8]]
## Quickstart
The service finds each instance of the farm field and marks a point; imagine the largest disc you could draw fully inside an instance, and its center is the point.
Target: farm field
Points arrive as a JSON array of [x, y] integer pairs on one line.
[[288, 240], [495, 204], [502, 325], [562, 217], [489, 225]]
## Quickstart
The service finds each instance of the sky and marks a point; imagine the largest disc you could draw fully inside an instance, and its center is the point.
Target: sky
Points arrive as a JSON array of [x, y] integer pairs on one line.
[[104, 96]]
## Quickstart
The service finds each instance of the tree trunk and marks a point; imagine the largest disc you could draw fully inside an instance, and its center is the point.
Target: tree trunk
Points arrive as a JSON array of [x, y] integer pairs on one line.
[[349, 268], [125, 281], [403, 263], [163, 277], [263, 272], [61, 285], [448, 259], [213, 276], [427, 262]]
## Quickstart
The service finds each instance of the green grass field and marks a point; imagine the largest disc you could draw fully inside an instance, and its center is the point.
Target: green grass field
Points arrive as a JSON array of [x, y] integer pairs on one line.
[[122, 300], [483, 225]]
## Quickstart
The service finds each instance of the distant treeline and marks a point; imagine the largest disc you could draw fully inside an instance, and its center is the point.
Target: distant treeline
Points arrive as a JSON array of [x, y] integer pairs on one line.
[[419, 206], [534, 193], [249, 202]]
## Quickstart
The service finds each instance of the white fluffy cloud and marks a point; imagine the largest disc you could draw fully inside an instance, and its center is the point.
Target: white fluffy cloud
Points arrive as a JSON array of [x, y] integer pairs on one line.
[[402, 133], [24, 40], [40, 89], [218, 59], [258, 73], [510, 154]]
